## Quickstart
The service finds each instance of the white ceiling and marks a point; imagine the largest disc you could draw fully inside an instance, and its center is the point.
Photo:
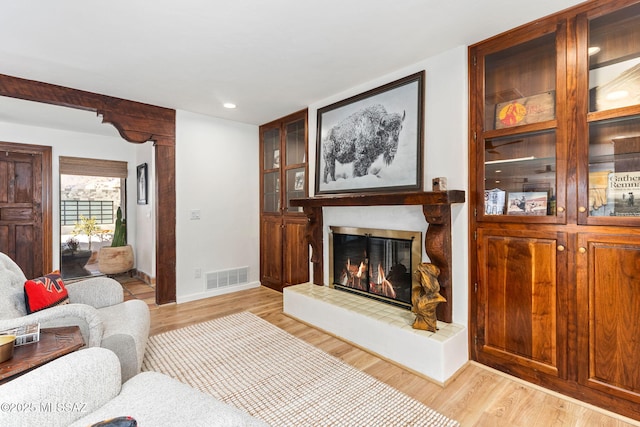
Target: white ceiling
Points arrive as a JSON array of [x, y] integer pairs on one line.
[[271, 58]]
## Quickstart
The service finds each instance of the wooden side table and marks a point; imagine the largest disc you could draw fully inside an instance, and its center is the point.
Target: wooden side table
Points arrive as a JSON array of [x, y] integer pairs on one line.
[[54, 342]]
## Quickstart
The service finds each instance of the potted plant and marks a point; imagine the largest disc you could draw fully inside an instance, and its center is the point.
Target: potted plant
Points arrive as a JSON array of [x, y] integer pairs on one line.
[[117, 258], [72, 244], [86, 226]]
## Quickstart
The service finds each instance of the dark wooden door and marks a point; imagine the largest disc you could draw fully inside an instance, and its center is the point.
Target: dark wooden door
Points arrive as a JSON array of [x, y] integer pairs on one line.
[[271, 251], [25, 207], [521, 314], [608, 313], [296, 251]]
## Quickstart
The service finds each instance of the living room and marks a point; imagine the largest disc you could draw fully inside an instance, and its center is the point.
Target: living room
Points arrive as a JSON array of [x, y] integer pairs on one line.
[[217, 172]]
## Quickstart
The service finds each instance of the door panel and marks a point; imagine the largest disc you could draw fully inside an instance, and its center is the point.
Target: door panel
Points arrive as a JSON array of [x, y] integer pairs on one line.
[[609, 296], [25, 172], [271, 251], [519, 299], [296, 252]]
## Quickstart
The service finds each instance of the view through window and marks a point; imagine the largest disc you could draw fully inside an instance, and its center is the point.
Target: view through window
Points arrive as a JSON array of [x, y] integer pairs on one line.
[[88, 206]]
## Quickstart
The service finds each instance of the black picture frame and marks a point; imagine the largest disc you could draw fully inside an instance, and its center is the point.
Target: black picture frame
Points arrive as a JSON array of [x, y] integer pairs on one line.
[[372, 142], [142, 184]]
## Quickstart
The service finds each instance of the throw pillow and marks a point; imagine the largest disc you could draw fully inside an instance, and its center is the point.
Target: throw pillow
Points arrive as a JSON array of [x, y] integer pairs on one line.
[[44, 292]]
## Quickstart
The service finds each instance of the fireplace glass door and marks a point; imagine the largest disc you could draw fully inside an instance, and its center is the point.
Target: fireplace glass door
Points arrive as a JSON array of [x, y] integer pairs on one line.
[[377, 266]]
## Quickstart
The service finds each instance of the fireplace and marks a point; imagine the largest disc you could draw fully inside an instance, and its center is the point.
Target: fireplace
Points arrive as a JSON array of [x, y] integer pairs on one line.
[[378, 264]]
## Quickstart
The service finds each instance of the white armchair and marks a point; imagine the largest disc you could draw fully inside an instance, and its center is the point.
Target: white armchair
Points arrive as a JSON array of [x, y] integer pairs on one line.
[[95, 305]]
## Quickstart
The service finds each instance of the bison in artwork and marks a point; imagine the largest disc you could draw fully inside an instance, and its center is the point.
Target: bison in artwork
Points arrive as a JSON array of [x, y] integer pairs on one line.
[[361, 138]]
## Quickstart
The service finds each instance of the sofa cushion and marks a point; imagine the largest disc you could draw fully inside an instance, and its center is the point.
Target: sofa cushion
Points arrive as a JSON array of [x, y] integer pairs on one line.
[[44, 292], [11, 289], [157, 400]]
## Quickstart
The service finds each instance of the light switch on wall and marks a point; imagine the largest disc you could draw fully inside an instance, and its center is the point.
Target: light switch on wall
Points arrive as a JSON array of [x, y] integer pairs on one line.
[[195, 214]]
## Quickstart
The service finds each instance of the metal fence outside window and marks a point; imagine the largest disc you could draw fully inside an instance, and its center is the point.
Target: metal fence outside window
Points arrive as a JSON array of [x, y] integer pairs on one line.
[[101, 210]]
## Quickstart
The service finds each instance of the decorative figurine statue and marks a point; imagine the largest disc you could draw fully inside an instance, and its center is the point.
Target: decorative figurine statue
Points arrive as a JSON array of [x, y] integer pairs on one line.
[[425, 297]]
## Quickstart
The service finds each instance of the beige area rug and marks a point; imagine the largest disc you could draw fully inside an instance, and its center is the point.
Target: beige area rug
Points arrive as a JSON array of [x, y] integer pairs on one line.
[[248, 362]]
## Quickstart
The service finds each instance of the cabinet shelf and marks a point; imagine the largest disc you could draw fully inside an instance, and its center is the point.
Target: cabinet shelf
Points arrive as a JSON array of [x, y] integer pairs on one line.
[[520, 130]]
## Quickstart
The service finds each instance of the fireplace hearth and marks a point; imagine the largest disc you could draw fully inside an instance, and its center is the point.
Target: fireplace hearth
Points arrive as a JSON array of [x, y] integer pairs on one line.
[[375, 263]]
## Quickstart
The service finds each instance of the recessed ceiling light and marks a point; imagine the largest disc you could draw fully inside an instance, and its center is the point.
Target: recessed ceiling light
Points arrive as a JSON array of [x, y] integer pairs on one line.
[[229, 105], [593, 50]]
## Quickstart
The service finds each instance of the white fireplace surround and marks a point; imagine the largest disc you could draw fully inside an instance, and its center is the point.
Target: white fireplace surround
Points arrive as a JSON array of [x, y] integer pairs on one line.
[[380, 328], [436, 356]]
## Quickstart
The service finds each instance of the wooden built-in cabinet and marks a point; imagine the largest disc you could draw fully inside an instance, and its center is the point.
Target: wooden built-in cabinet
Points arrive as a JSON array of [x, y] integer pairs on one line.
[[284, 252], [555, 197]]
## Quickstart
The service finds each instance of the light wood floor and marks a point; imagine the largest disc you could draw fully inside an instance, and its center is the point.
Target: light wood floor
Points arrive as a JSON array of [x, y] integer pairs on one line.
[[476, 397]]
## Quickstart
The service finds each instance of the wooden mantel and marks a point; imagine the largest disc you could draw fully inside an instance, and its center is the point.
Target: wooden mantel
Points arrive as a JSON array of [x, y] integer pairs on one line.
[[436, 206]]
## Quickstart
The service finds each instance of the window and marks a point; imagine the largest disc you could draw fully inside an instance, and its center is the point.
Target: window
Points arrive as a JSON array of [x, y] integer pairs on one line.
[[91, 190]]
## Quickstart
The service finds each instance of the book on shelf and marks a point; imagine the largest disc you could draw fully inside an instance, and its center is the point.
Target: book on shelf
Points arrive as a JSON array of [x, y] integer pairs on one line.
[[623, 193], [24, 334], [528, 203], [494, 201]]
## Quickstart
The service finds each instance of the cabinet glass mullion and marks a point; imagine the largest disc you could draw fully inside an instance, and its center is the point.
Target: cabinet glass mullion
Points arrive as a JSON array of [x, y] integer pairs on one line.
[[520, 84], [271, 192], [520, 174], [295, 187], [614, 168], [271, 148], [614, 60], [295, 145], [296, 153]]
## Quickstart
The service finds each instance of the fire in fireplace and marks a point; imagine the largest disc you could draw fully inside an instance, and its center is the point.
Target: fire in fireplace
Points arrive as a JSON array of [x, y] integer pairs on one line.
[[375, 263]]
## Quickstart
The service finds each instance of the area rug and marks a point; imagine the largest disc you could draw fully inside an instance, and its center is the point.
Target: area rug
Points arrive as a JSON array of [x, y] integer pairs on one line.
[[247, 362]]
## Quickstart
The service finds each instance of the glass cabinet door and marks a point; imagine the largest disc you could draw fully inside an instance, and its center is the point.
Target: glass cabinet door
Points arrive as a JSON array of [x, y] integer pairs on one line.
[[520, 84], [613, 119], [295, 166], [520, 174], [271, 170], [614, 60], [520, 132]]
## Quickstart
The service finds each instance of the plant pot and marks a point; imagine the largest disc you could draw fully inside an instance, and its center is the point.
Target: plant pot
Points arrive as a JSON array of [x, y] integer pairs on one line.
[[115, 260]]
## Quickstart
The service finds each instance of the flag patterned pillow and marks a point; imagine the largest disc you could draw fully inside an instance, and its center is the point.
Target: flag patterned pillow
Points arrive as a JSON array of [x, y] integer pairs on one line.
[[44, 292]]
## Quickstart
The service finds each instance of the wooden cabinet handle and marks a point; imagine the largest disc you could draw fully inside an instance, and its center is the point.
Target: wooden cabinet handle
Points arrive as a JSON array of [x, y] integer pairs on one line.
[[560, 248], [560, 209], [582, 250], [582, 209]]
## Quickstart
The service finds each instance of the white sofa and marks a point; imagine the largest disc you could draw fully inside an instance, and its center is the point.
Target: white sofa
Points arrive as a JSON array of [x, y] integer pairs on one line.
[[95, 305], [84, 387]]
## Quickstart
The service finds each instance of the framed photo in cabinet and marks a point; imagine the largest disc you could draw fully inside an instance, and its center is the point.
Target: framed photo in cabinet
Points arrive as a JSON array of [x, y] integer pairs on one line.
[[298, 184], [372, 141], [527, 203]]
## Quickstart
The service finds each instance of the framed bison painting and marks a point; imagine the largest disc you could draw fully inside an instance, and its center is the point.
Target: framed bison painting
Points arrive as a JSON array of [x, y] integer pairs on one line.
[[372, 141]]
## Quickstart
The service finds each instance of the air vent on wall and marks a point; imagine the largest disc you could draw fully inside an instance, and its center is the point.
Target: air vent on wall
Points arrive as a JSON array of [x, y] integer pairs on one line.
[[224, 278]]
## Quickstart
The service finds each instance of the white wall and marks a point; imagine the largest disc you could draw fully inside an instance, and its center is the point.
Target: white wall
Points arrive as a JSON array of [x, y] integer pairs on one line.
[[445, 154], [77, 144], [145, 237], [217, 174]]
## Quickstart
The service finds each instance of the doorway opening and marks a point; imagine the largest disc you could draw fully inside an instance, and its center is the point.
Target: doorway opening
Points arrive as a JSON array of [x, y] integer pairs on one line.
[[90, 195]]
